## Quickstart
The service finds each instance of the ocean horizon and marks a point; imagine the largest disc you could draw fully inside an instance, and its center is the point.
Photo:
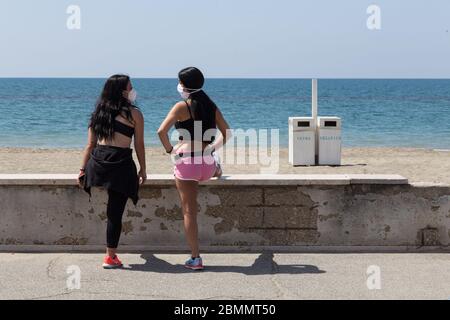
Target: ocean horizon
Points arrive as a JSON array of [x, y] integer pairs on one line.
[[53, 112]]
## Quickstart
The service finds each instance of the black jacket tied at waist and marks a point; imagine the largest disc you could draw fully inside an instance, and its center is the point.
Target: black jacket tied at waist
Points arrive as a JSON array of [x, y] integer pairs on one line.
[[112, 168]]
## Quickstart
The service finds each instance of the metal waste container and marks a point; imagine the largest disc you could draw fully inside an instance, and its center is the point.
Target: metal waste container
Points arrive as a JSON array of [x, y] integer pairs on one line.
[[329, 140], [302, 141]]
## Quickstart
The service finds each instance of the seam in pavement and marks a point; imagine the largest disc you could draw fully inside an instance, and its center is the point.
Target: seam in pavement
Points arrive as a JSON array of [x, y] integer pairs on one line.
[[132, 295], [50, 265], [282, 291], [51, 296]]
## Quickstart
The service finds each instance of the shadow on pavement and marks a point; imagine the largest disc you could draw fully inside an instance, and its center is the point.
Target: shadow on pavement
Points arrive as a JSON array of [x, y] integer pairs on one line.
[[264, 264]]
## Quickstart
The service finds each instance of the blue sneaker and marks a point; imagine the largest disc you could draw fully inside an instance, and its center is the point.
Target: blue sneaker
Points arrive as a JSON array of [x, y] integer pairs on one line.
[[194, 264]]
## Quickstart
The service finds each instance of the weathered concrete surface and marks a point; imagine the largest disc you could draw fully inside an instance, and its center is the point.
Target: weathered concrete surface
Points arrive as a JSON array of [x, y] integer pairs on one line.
[[236, 180], [273, 213], [264, 275]]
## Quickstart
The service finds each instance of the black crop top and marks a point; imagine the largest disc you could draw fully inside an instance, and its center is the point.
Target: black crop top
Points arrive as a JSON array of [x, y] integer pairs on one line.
[[208, 122], [123, 129]]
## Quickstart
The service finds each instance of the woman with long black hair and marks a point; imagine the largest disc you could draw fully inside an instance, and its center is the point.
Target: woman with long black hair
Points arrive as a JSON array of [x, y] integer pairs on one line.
[[107, 159], [196, 118]]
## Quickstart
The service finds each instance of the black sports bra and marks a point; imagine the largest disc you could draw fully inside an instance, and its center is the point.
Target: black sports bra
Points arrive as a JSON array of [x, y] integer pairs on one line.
[[189, 124], [123, 129]]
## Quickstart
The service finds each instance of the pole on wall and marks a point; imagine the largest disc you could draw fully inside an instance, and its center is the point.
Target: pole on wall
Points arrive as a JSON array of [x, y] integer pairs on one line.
[[314, 104], [314, 99]]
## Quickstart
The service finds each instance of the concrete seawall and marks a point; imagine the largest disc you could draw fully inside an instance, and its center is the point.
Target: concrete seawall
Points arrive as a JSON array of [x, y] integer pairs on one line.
[[301, 212]]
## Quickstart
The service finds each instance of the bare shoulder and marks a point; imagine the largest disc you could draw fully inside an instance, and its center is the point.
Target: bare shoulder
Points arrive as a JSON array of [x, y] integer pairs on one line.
[[136, 114], [179, 107]]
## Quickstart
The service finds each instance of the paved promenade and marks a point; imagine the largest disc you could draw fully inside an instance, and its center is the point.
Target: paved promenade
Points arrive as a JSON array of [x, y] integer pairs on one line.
[[228, 276]]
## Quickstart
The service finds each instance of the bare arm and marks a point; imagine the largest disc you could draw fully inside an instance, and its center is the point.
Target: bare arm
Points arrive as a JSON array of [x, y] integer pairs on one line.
[[169, 121], [139, 144], [224, 129]]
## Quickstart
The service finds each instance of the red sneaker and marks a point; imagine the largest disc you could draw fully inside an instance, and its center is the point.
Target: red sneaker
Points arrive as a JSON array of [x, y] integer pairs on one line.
[[112, 263]]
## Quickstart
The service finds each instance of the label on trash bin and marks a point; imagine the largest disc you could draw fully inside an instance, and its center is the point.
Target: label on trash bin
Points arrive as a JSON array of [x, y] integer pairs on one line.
[[330, 138]]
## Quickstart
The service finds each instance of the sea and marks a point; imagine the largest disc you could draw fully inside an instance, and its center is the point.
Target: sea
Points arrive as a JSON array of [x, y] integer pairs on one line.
[[54, 112]]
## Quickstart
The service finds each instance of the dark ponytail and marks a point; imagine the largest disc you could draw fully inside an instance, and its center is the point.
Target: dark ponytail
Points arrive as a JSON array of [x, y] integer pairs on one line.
[[203, 108]]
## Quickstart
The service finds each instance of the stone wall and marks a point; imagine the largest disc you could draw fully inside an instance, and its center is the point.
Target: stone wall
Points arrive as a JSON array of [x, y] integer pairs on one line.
[[238, 212]]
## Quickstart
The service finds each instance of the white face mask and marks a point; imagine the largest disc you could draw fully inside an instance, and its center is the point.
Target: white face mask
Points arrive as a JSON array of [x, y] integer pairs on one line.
[[132, 95], [184, 94]]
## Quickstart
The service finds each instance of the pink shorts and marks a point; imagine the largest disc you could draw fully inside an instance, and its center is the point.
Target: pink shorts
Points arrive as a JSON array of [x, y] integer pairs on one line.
[[198, 168]]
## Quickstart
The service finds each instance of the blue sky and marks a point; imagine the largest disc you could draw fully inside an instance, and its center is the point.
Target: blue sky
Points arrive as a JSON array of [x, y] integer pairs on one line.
[[226, 38]]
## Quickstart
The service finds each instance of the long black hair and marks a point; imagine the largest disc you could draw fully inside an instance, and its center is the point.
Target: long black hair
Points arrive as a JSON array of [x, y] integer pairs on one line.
[[202, 106], [110, 104]]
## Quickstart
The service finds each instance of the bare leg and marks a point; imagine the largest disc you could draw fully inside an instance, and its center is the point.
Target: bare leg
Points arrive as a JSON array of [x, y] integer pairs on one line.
[[188, 191], [218, 172]]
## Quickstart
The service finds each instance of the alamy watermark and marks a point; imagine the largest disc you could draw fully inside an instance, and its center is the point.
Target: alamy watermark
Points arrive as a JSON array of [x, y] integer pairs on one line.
[[259, 147], [374, 19], [73, 281], [373, 281], [74, 20]]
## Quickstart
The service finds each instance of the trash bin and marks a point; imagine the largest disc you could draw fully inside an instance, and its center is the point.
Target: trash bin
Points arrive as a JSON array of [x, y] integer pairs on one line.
[[302, 141], [330, 144]]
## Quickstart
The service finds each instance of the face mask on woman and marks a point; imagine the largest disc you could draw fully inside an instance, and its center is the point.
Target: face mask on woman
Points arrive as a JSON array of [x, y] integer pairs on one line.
[[184, 94], [132, 95]]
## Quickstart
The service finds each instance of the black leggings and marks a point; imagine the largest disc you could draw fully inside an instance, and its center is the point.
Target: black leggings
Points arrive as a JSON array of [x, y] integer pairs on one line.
[[116, 205]]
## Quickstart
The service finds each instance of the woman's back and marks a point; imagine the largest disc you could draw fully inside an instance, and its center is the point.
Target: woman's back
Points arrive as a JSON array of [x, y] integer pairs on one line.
[[123, 133], [197, 122]]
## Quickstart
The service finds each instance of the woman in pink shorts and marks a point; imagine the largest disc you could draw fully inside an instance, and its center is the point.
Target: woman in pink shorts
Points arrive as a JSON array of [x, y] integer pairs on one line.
[[197, 119]]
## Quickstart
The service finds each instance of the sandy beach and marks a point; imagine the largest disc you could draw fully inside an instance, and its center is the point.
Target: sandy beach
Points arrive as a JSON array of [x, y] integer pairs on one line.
[[418, 165]]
